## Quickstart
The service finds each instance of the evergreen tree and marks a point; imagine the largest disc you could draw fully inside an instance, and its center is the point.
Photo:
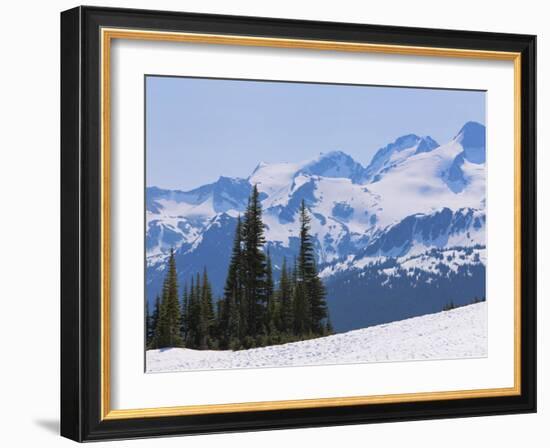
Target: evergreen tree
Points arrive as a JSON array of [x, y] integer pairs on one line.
[[285, 300], [233, 291], [306, 257], [328, 328], [216, 334], [317, 303], [153, 322], [161, 334], [233, 325], [254, 265], [194, 314], [313, 289], [301, 310], [185, 313], [147, 325], [271, 305], [294, 274], [168, 329], [304, 270], [206, 315]]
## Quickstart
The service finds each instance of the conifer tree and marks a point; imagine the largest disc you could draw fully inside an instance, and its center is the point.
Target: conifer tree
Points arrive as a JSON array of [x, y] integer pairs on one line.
[[271, 306], [185, 313], [206, 315], [255, 265], [303, 275], [294, 274], [147, 325], [317, 303], [313, 289], [168, 329], [305, 255], [216, 334], [328, 327], [233, 325], [301, 310], [285, 300], [193, 311], [195, 336], [233, 289], [161, 334], [153, 322], [191, 316]]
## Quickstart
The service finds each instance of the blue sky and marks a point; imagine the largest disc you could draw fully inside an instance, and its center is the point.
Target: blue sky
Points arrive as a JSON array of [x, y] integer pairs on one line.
[[200, 129]]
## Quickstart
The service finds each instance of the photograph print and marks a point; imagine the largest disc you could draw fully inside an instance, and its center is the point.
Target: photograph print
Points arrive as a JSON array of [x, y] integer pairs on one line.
[[296, 223]]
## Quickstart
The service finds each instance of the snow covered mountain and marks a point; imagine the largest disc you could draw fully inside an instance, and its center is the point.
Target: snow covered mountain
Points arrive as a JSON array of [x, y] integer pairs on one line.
[[413, 197], [399, 150]]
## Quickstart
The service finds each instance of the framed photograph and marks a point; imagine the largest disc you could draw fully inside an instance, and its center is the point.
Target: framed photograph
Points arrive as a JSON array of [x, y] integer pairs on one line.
[[272, 223]]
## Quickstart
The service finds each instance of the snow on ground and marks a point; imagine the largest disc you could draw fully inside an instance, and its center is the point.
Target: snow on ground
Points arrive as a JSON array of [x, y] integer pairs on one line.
[[459, 333]]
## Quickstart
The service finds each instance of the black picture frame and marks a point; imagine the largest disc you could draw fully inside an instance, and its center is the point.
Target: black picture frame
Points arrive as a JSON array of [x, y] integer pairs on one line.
[[81, 224]]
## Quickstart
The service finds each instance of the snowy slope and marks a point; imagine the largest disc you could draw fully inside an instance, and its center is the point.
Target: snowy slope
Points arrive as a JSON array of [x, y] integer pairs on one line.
[[428, 180], [396, 152], [450, 257], [273, 178], [459, 333], [178, 219]]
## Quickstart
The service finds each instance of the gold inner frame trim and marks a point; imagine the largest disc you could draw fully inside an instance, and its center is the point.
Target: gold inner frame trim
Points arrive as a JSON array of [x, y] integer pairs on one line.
[[107, 35]]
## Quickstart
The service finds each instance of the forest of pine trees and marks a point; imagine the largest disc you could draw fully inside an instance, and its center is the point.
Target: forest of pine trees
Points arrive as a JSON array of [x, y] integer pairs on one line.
[[253, 312]]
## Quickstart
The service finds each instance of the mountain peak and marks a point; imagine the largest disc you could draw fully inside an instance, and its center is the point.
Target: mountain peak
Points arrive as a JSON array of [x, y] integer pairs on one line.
[[423, 144], [225, 180], [333, 164], [386, 156], [472, 138], [426, 144], [336, 154], [472, 133], [405, 141], [259, 166]]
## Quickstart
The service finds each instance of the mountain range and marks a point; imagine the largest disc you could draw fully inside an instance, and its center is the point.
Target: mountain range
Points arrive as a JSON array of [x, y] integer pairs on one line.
[[394, 239]]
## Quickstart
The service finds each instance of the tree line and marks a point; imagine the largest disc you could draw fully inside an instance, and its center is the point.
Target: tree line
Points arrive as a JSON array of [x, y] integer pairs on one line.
[[452, 305], [253, 311]]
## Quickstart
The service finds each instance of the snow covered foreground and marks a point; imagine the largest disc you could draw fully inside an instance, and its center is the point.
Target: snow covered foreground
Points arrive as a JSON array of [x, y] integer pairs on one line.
[[459, 333]]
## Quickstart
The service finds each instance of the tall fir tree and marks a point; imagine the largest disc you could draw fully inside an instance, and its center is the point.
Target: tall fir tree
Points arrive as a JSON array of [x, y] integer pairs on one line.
[[328, 327], [233, 291], [153, 322], [301, 310], [271, 305], [185, 313], [216, 334], [233, 335], [306, 256], [317, 303], [294, 273], [168, 329], [147, 324], [314, 294], [194, 313], [206, 319], [255, 265], [286, 313]]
